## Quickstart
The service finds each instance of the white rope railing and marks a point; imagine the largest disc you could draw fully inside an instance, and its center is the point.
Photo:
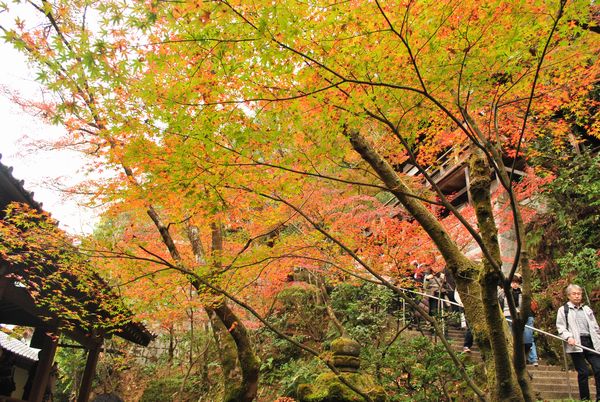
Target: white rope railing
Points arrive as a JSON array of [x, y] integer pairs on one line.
[[509, 320], [564, 342], [558, 337]]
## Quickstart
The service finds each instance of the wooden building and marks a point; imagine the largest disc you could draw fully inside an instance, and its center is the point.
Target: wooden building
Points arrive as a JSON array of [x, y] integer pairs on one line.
[[17, 307]]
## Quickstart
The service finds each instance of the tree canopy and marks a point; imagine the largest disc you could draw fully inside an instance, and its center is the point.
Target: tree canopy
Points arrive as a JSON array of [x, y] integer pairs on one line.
[[264, 137]]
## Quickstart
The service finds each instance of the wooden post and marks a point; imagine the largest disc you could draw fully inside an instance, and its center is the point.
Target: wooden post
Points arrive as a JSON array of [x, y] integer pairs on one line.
[[88, 375], [468, 184], [48, 343], [4, 283]]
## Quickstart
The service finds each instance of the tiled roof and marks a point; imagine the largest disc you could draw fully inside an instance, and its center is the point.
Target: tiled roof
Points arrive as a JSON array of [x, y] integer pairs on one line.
[[17, 347], [14, 190]]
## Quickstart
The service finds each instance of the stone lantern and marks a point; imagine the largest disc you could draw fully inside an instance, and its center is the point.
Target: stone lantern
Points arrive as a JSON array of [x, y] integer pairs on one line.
[[328, 388]]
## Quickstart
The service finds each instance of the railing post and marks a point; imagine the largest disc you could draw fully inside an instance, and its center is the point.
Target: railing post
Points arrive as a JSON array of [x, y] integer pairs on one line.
[[403, 312], [564, 353]]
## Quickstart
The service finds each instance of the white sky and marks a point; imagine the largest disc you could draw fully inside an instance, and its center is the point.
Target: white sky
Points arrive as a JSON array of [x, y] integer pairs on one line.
[[38, 169]]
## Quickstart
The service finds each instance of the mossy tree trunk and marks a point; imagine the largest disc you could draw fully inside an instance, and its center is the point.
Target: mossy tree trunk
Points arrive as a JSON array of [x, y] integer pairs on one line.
[[519, 318], [476, 284], [480, 179], [227, 352], [245, 374]]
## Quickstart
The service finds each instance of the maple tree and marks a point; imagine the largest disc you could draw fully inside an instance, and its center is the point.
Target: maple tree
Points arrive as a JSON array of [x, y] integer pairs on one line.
[[270, 131], [318, 69]]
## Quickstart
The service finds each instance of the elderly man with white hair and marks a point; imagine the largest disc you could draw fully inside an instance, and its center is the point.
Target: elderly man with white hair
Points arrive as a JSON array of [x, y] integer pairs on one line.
[[577, 325]]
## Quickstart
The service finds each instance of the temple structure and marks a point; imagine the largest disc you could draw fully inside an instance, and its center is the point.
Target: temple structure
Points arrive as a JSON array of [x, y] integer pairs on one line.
[[450, 173], [18, 307]]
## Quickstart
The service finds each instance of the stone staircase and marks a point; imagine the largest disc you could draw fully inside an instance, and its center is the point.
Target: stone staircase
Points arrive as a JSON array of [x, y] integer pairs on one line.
[[550, 383]]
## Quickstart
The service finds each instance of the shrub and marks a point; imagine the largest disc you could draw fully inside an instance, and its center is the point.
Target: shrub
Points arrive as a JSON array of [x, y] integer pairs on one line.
[[167, 388]]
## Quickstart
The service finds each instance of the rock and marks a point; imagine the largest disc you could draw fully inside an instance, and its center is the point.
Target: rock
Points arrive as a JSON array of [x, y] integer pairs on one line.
[[346, 363], [345, 346], [107, 398], [328, 388]]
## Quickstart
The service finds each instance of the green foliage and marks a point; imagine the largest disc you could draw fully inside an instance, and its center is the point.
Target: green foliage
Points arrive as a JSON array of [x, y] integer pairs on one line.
[[279, 351], [287, 377], [574, 198], [413, 368], [168, 389], [363, 309], [57, 276], [162, 389], [565, 239], [416, 369], [584, 264], [70, 372], [127, 370], [567, 234], [297, 311], [410, 369]]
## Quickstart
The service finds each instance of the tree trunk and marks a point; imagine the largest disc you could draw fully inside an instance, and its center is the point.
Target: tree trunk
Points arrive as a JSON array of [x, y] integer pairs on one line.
[[478, 289], [231, 377], [480, 194], [505, 380], [241, 381], [518, 319], [240, 364]]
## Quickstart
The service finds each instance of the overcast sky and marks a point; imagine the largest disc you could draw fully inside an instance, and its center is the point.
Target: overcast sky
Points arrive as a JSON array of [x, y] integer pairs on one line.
[[37, 169]]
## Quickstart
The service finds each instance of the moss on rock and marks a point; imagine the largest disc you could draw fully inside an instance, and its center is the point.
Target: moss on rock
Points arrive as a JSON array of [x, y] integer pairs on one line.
[[345, 346], [346, 363], [328, 388]]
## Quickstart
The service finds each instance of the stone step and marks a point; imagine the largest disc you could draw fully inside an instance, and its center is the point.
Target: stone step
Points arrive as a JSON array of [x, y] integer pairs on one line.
[[554, 387], [558, 396], [556, 379], [559, 390], [550, 383], [553, 383], [552, 374], [549, 367]]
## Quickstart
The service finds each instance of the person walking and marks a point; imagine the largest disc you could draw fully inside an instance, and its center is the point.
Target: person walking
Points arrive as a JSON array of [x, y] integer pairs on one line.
[[528, 338], [468, 339], [577, 326], [517, 295], [434, 286]]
